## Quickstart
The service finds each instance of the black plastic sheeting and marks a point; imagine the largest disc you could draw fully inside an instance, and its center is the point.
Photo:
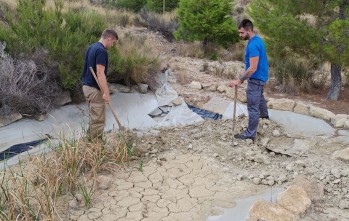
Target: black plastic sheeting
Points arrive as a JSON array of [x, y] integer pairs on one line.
[[205, 114], [19, 148]]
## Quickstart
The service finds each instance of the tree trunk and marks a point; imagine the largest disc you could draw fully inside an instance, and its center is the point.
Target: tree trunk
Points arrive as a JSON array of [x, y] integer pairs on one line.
[[336, 77], [336, 82]]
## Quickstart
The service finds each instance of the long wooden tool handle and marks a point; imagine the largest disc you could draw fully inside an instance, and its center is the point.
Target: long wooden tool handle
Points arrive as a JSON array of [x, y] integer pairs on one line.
[[111, 109], [234, 113]]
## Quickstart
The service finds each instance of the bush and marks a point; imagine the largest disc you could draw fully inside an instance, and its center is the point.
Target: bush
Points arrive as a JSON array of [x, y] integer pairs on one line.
[[137, 61], [294, 75], [208, 21], [24, 87], [157, 5], [165, 24], [65, 36], [133, 5]]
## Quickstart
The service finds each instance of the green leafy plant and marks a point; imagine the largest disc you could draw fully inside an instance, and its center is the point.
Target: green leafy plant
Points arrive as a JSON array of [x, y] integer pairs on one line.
[[206, 21], [307, 28], [157, 5]]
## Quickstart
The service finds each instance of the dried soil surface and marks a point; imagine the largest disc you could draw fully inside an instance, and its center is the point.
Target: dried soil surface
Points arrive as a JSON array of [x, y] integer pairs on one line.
[[189, 172]]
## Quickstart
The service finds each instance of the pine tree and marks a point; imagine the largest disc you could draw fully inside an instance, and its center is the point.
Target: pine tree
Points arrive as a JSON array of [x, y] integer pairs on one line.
[[206, 21], [310, 28]]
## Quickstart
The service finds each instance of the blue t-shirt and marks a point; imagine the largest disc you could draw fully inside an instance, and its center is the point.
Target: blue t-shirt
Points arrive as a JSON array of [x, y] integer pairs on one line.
[[95, 54], [256, 48]]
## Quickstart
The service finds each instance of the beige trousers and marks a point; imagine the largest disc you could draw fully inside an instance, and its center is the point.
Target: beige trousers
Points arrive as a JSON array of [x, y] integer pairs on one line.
[[96, 107]]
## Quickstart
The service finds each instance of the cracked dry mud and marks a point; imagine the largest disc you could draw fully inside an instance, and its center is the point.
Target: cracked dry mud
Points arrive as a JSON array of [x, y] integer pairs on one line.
[[190, 172]]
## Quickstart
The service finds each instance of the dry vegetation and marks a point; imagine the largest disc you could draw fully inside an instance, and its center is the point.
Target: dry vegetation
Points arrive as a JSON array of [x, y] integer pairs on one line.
[[31, 190]]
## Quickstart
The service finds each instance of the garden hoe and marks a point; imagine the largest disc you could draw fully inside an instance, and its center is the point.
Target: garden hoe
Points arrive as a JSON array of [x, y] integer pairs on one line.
[[111, 109]]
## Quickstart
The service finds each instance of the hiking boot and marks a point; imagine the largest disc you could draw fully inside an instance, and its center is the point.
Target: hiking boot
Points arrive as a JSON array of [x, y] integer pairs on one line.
[[243, 137], [267, 117]]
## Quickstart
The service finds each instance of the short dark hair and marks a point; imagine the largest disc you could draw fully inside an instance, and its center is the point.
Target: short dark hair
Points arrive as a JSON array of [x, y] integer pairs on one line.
[[107, 33], [246, 24]]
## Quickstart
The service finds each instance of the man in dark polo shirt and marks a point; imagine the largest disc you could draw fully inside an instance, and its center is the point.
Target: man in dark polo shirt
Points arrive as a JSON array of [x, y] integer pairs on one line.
[[256, 72], [97, 57]]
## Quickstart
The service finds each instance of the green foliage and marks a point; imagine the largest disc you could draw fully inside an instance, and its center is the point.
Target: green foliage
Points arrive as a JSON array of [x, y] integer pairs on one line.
[[206, 21], [305, 27], [133, 5], [157, 5], [135, 64], [293, 74], [63, 35]]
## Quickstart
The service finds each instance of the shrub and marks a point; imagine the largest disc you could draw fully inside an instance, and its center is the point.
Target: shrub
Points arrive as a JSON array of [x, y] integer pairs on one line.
[[294, 75], [63, 35], [133, 5], [157, 5], [25, 87], [166, 24], [208, 21], [137, 62]]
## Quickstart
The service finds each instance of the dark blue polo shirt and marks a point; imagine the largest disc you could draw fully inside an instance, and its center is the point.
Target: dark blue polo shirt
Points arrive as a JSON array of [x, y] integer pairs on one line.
[[95, 54]]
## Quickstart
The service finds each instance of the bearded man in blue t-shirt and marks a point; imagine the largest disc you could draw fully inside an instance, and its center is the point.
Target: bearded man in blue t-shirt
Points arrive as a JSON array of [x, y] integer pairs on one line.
[[256, 73]]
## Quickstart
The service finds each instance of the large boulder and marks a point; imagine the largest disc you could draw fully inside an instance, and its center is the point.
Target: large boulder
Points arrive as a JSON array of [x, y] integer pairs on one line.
[[263, 210], [339, 120], [301, 108], [294, 199], [314, 190], [321, 113], [282, 104]]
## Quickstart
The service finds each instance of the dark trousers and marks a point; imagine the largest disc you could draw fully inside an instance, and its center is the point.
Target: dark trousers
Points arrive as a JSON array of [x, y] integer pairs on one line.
[[256, 105]]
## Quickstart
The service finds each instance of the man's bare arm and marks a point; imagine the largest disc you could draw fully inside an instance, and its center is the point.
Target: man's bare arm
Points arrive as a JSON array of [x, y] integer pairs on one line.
[[103, 82]]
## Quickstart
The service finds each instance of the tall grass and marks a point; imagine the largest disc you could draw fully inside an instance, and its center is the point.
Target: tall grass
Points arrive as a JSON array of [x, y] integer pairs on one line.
[[30, 190]]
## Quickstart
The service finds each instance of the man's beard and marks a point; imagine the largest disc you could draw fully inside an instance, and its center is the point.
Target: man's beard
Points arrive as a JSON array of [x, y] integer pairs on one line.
[[247, 37]]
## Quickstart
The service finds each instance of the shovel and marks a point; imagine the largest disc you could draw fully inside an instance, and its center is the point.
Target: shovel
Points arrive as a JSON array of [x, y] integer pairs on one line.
[[111, 109]]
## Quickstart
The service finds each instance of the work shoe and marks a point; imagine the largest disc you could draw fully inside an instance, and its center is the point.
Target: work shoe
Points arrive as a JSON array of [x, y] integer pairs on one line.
[[243, 137], [267, 117]]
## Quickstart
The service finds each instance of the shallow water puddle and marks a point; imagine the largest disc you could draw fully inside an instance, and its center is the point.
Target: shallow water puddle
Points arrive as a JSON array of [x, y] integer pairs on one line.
[[241, 211]]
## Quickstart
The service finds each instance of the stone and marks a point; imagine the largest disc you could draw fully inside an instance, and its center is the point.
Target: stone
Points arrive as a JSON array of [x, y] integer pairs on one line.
[[122, 88], [63, 98], [346, 124], [301, 108], [143, 88], [176, 102], [294, 199], [6, 120], [195, 85], [341, 155], [321, 113], [276, 133], [314, 190], [103, 182], [222, 88], [263, 210], [281, 104], [344, 204], [265, 141], [209, 87], [339, 120]]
